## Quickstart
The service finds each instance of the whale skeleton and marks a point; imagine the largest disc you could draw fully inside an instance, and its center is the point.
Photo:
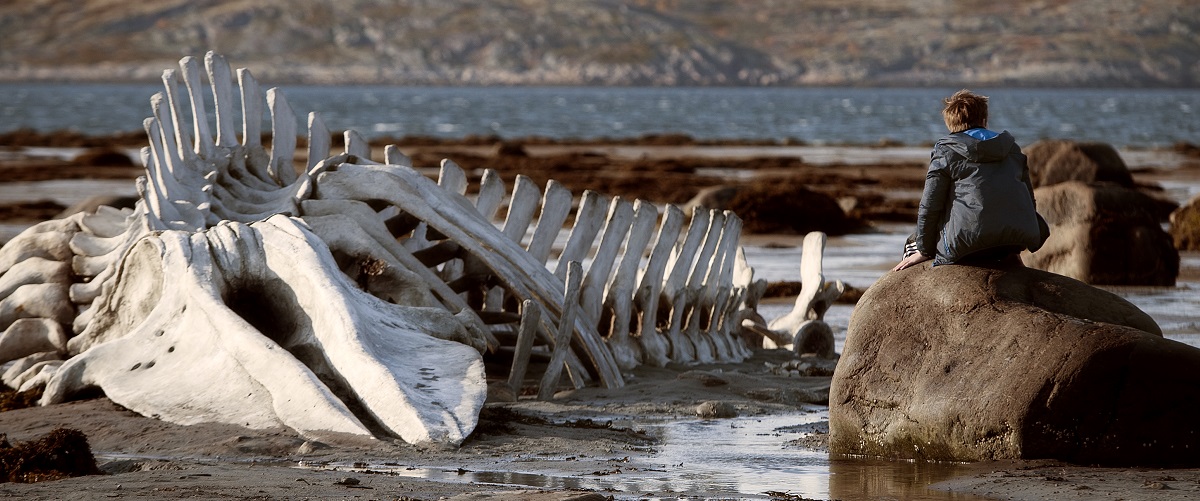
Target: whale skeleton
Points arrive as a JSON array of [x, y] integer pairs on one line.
[[345, 295]]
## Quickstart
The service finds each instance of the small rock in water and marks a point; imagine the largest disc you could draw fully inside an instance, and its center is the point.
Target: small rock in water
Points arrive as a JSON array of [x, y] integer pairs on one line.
[[715, 410]]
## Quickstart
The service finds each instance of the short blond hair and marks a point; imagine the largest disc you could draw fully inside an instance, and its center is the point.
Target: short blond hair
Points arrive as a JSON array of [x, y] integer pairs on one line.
[[965, 110]]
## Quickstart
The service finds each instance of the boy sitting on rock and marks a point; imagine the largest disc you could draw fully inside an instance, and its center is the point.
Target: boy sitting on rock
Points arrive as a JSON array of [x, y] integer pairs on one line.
[[977, 206]]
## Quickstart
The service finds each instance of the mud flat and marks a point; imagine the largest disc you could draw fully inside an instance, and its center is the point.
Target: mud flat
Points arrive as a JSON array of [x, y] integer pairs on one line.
[[725, 431]]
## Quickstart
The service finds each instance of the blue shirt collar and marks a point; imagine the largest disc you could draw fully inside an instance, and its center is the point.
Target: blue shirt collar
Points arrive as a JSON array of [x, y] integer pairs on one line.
[[981, 133]]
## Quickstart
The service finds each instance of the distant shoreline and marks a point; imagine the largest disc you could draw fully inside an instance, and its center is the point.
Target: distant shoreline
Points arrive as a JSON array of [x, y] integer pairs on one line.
[[149, 78], [67, 138]]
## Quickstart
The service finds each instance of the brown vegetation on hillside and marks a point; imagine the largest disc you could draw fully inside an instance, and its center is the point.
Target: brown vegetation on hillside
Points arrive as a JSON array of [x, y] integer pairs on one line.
[[629, 42]]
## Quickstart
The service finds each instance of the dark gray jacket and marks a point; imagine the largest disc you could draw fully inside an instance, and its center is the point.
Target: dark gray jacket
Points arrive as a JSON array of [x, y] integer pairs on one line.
[[977, 197]]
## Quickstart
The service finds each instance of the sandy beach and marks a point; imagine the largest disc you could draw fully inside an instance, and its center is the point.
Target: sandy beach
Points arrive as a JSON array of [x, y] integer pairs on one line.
[[652, 439]]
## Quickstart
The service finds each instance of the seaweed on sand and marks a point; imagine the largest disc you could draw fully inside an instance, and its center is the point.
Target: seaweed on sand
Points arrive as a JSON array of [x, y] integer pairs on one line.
[[62, 453]]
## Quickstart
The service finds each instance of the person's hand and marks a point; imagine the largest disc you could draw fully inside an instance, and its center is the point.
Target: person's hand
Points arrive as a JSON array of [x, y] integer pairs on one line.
[[916, 258]]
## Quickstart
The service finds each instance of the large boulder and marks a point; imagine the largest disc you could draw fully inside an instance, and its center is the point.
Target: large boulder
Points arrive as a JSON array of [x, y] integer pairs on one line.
[[1104, 234], [1053, 161], [772, 205], [964, 363], [1185, 226]]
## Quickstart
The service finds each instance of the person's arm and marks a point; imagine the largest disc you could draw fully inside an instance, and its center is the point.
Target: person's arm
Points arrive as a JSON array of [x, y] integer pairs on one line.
[[1043, 227], [1025, 174], [931, 213]]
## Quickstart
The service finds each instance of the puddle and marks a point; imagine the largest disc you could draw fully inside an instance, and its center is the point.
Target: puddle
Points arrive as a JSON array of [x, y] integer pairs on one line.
[[738, 456], [743, 458]]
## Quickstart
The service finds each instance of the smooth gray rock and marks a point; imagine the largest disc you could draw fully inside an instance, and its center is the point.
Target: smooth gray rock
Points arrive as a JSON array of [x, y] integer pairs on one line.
[[963, 363]]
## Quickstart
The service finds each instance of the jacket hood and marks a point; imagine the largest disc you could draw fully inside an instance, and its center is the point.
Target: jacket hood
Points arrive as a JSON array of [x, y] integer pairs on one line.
[[977, 150]]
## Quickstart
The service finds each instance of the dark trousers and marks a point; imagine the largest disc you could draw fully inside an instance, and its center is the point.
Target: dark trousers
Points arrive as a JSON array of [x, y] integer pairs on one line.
[[994, 255]]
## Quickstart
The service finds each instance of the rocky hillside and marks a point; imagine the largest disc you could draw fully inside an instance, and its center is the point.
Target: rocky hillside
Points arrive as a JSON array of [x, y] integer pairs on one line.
[[616, 42]]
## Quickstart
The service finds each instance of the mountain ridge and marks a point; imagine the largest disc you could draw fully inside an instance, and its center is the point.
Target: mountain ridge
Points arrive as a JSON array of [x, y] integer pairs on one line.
[[1044, 43]]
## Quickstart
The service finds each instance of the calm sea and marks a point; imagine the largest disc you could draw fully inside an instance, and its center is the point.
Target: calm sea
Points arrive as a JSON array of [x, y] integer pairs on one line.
[[1123, 117]]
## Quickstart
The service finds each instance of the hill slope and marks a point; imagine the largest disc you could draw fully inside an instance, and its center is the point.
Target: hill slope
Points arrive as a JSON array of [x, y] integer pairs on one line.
[[616, 42]]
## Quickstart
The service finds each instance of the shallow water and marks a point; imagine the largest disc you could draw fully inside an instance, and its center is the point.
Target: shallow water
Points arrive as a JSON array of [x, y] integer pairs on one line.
[[742, 458]]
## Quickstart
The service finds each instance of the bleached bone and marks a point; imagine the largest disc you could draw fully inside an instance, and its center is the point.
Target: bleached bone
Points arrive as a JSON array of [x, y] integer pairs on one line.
[[562, 334], [177, 197], [278, 281], [705, 351], [556, 206], [588, 221], [41, 300], [318, 141], [37, 376], [616, 227], [283, 144], [220, 76], [393, 156], [22, 379], [530, 317], [106, 222], [719, 290], [342, 225], [491, 195], [356, 145], [815, 296], [35, 270], [14, 372], [452, 215], [46, 240], [619, 297], [27, 336], [520, 214], [675, 291], [296, 343], [655, 346], [712, 293]]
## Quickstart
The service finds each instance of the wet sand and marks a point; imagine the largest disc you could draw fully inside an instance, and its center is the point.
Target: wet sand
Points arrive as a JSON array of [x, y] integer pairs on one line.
[[645, 440], [587, 438]]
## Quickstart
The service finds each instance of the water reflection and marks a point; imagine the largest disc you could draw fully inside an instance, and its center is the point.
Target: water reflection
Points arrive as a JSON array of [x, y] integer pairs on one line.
[[740, 458], [878, 479], [744, 455]]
